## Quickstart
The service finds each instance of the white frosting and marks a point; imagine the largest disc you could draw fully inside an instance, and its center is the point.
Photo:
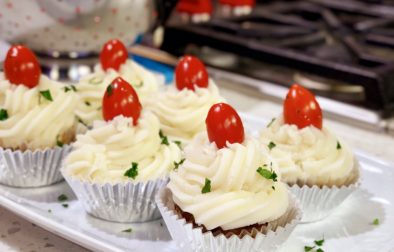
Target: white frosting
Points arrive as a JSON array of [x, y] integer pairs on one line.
[[107, 151], [34, 122], [182, 113], [307, 154], [239, 195], [91, 88]]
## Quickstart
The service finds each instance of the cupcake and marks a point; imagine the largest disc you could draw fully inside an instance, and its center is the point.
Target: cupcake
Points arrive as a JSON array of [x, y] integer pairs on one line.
[[114, 62], [116, 168], [318, 166], [182, 107], [226, 195], [37, 122]]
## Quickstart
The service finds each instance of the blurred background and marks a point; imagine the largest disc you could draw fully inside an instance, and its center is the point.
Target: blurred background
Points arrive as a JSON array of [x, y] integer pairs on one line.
[[342, 50]]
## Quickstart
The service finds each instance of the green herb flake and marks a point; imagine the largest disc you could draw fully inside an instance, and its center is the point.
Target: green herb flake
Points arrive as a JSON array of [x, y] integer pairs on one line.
[[308, 248], [65, 205], [133, 171], [319, 242], [375, 222], [129, 230], [271, 145], [273, 188], [179, 143], [46, 94], [164, 139], [319, 250], [139, 84], [207, 186], [82, 122], [87, 103], [109, 90], [59, 143], [176, 165], [70, 88], [62, 198], [49, 211], [271, 122], [3, 114], [268, 174], [339, 146]]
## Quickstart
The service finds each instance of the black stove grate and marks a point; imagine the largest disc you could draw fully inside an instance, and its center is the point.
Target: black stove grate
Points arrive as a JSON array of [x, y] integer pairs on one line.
[[347, 41]]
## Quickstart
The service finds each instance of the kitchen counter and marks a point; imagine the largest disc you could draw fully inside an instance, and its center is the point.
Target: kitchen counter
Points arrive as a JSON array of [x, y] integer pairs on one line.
[[16, 234]]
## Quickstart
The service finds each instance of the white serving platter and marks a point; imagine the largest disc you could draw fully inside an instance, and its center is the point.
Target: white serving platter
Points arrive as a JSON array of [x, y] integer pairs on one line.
[[349, 228]]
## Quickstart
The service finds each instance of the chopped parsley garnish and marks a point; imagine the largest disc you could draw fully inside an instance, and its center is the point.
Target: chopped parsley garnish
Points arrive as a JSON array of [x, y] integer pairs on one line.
[[308, 248], [87, 103], [3, 114], [49, 211], [339, 146], [65, 205], [319, 250], [140, 84], [46, 94], [164, 139], [179, 143], [273, 187], [129, 230], [59, 143], [271, 122], [82, 122], [70, 88], [207, 186], [319, 242], [62, 198], [95, 80], [375, 222], [133, 171], [271, 145], [176, 165], [109, 90], [268, 174]]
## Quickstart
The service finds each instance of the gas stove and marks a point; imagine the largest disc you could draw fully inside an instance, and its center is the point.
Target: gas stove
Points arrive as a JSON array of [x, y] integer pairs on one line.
[[342, 50]]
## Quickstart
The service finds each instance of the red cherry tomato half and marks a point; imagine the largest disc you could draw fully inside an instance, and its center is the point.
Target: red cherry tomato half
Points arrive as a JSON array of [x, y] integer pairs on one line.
[[120, 98], [301, 108], [224, 124], [189, 72], [113, 55], [21, 66]]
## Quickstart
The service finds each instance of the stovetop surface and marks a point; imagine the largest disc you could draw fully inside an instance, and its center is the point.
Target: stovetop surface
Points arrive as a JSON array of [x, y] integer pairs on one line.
[[341, 49]]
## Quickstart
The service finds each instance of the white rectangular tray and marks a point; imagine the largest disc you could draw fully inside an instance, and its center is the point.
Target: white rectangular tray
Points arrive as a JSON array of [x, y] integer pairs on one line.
[[349, 228]]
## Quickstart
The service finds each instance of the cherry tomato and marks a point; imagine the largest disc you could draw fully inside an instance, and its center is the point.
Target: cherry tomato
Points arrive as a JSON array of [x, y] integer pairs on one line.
[[224, 124], [21, 66], [120, 98], [189, 72], [301, 108], [113, 55], [194, 6]]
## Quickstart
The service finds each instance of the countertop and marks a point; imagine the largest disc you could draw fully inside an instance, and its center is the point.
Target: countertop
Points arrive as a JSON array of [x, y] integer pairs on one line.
[[16, 234]]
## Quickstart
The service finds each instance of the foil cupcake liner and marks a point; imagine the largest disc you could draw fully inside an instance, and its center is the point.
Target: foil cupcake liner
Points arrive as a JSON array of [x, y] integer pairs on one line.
[[120, 202], [319, 201], [194, 239], [32, 168]]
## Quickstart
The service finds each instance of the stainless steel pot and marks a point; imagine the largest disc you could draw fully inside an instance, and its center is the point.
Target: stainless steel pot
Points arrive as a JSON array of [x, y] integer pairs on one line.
[[81, 26]]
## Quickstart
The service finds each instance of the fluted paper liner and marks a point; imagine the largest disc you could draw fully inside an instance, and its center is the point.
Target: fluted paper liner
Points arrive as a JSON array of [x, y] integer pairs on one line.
[[32, 168], [318, 201], [119, 202], [268, 238]]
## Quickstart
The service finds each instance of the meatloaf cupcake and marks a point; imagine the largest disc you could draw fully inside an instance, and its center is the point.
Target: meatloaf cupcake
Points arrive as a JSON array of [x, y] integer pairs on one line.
[[182, 107], [319, 167], [37, 122], [114, 62], [117, 167], [226, 195]]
